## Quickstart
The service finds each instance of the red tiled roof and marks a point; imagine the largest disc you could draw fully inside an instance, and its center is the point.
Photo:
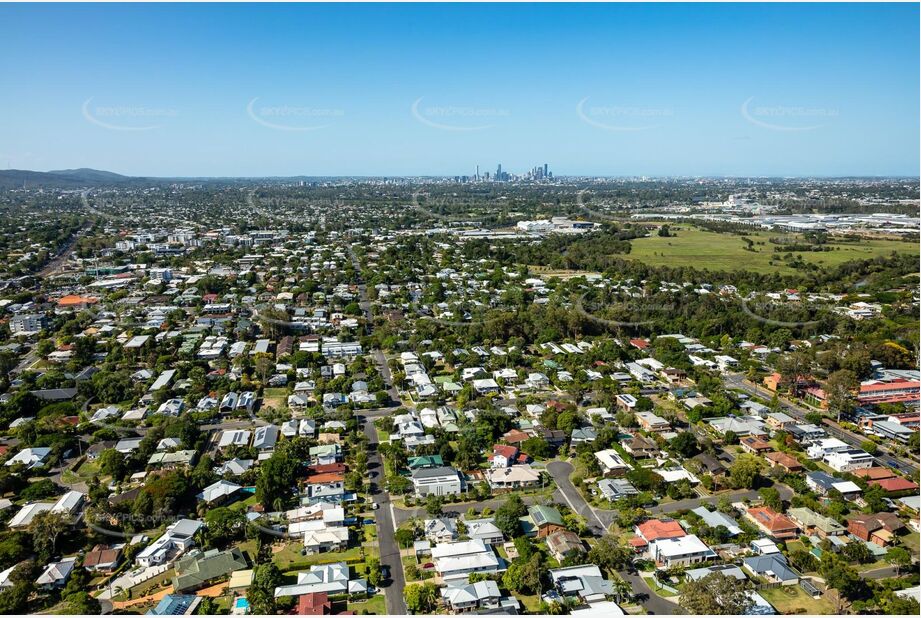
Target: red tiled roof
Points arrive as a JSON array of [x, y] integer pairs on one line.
[[505, 450], [515, 435], [314, 604], [770, 519], [653, 529], [876, 473], [895, 483]]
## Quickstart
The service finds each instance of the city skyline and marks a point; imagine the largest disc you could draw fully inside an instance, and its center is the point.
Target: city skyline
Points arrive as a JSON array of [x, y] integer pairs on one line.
[[317, 90]]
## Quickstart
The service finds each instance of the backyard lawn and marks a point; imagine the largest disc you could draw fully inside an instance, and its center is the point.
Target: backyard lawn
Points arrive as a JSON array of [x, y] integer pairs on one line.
[[375, 605], [794, 600], [912, 542]]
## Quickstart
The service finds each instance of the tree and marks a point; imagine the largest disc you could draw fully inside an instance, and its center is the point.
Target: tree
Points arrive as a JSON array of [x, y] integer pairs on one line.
[[803, 560], [717, 594], [508, 514], [610, 554], [81, 603], [433, 505], [793, 368], [224, 525], [264, 364], [771, 498], [404, 537], [46, 528], [277, 475], [743, 473], [112, 462], [373, 573], [857, 552], [869, 446], [685, 444], [839, 392], [261, 594], [874, 497], [899, 557], [838, 574], [421, 598], [524, 576]]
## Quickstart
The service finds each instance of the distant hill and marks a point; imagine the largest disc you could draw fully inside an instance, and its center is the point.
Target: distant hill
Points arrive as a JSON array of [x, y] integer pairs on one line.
[[61, 179], [86, 173]]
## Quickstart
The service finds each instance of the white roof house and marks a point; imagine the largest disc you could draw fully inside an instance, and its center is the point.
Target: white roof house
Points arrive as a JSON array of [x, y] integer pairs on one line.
[[332, 579], [56, 573], [459, 560], [218, 491], [680, 551], [234, 437], [611, 461], [30, 457]]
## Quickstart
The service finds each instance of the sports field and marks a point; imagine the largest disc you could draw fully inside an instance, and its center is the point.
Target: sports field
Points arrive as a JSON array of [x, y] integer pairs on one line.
[[709, 250]]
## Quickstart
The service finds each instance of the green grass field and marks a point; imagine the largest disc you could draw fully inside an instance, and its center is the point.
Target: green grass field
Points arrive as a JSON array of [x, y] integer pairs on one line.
[[794, 600], [709, 250]]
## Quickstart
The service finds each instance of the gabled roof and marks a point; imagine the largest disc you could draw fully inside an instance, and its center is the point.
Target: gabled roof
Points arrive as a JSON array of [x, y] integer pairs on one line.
[[771, 563], [198, 568], [545, 515]]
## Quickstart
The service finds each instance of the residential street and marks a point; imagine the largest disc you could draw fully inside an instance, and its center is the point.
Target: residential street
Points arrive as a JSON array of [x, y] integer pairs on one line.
[[384, 515], [390, 552], [560, 470], [738, 381]]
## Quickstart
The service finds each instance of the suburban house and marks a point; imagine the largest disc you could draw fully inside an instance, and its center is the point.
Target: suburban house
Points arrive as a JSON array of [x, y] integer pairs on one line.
[[812, 523], [880, 528], [440, 529], [755, 445], [56, 573], [714, 519], [786, 462], [652, 422], [561, 543], [612, 464], [772, 523], [460, 597], [772, 567], [641, 447], [484, 530], [584, 583], [542, 520], [333, 579], [177, 539], [615, 489], [102, 558], [437, 481], [681, 551], [458, 560], [513, 477], [196, 569]]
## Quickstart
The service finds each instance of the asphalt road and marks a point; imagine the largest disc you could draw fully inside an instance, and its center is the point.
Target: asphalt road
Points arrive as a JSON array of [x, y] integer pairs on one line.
[[384, 517], [738, 381], [560, 471]]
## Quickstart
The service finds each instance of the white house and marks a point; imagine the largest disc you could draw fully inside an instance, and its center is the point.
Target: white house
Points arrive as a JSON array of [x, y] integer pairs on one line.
[[458, 560], [439, 481], [682, 551]]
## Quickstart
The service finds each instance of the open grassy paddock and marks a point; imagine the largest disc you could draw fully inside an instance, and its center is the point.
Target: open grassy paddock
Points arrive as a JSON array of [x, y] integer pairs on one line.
[[702, 249]]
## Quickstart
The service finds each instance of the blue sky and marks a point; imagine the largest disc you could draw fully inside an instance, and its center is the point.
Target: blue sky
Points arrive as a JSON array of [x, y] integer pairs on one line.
[[696, 89]]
